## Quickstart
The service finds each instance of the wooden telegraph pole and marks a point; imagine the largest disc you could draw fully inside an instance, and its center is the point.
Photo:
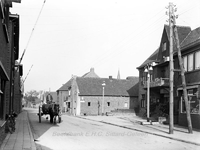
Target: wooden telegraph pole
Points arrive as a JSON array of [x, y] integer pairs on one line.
[[171, 77], [173, 20]]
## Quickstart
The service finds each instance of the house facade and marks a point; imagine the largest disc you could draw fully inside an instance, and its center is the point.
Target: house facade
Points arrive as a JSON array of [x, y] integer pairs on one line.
[[90, 97], [63, 93], [159, 77], [10, 71]]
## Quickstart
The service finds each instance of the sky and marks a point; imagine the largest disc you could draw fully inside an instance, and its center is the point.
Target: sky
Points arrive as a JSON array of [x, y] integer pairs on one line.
[[68, 37]]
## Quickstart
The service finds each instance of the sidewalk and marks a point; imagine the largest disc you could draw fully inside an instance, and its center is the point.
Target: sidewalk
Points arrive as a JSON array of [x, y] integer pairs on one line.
[[22, 138], [134, 123]]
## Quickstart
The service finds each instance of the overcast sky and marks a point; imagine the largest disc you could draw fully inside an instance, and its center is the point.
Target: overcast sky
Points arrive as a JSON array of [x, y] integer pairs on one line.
[[72, 36]]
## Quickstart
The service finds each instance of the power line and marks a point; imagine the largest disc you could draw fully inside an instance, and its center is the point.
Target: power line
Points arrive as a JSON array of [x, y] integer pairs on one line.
[[112, 50], [27, 74], [32, 32]]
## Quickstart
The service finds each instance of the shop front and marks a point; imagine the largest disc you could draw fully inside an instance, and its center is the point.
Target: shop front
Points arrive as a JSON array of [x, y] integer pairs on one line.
[[194, 107]]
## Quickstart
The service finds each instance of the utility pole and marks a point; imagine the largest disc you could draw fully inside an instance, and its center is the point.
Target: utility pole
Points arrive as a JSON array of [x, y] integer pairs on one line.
[[173, 18], [171, 76]]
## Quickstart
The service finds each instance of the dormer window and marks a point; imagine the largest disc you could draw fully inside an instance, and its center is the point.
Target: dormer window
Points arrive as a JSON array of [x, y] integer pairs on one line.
[[164, 46]]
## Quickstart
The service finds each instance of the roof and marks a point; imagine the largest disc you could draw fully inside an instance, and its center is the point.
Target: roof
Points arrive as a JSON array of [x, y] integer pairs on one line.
[[65, 86], [183, 32], [90, 74], [152, 58], [192, 38], [113, 87]]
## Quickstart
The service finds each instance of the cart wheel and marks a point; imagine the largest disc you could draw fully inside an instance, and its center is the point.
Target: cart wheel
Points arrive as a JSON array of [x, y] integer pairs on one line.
[[39, 114], [59, 119]]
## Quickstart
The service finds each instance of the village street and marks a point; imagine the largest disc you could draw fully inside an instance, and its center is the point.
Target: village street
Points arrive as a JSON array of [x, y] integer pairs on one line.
[[75, 133]]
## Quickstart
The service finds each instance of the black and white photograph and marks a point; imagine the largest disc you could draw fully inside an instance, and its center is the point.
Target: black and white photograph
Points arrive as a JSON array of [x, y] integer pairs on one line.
[[99, 75]]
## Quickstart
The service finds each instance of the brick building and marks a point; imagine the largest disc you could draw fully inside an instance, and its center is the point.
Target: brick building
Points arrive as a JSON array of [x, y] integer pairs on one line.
[[159, 77], [89, 97], [63, 93], [10, 81]]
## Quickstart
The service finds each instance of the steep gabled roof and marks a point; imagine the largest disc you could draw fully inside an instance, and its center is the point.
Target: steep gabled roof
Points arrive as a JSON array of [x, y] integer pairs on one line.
[[113, 87], [183, 32]]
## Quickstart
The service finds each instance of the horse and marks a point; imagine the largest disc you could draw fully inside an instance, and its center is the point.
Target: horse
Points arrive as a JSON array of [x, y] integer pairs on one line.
[[53, 110]]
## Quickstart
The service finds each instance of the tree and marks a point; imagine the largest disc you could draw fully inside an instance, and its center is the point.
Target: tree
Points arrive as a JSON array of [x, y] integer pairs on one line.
[[31, 96]]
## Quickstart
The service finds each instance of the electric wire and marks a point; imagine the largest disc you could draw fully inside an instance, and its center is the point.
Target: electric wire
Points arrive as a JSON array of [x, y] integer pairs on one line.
[[27, 74], [112, 52], [32, 32]]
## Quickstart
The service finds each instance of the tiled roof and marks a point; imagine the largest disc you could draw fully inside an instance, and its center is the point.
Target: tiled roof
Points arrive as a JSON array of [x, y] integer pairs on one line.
[[192, 38], [183, 32], [90, 74], [65, 87], [113, 87]]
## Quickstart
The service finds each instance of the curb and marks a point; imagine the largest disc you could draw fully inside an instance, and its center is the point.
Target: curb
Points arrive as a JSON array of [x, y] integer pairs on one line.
[[172, 138], [33, 146]]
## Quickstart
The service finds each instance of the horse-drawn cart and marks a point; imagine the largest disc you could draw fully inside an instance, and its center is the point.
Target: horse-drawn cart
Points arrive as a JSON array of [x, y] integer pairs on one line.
[[53, 110]]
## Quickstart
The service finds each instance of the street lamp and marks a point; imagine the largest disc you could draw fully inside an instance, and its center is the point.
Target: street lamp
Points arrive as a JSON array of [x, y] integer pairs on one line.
[[103, 85], [148, 68]]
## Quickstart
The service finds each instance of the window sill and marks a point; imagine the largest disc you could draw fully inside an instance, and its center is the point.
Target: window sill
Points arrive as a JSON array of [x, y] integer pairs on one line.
[[188, 72]]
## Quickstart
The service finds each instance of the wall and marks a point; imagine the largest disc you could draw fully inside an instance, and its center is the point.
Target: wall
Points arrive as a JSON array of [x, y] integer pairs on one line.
[[141, 92], [17, 104], [62, 97], [95, 107], [195, 118]]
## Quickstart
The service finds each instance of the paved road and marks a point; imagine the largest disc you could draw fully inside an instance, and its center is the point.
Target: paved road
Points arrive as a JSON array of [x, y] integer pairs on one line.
[[79, 134]]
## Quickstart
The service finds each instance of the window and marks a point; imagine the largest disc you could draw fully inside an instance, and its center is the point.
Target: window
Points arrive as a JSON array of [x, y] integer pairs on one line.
[[185, 63], [126, 104], [164, 46], [143, 104], [108, 103], [190, 62], [193, 102], [197, 60], [89, 103]]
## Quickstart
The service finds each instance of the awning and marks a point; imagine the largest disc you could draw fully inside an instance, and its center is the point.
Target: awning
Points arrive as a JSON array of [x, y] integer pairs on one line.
[[3, 73]]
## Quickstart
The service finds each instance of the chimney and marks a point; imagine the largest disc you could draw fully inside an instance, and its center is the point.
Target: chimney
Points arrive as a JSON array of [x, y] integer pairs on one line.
[[91, 69]]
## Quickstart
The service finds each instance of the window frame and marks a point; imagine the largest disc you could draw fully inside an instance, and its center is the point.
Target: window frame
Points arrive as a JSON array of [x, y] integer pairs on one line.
[[192, 101], [125, 104], [143, 101], [185, 63], [164, 46], [192, 62], [197, 61]]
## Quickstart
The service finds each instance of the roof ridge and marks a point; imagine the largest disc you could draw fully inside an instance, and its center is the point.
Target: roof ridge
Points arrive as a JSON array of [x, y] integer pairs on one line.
[[186, 37]]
